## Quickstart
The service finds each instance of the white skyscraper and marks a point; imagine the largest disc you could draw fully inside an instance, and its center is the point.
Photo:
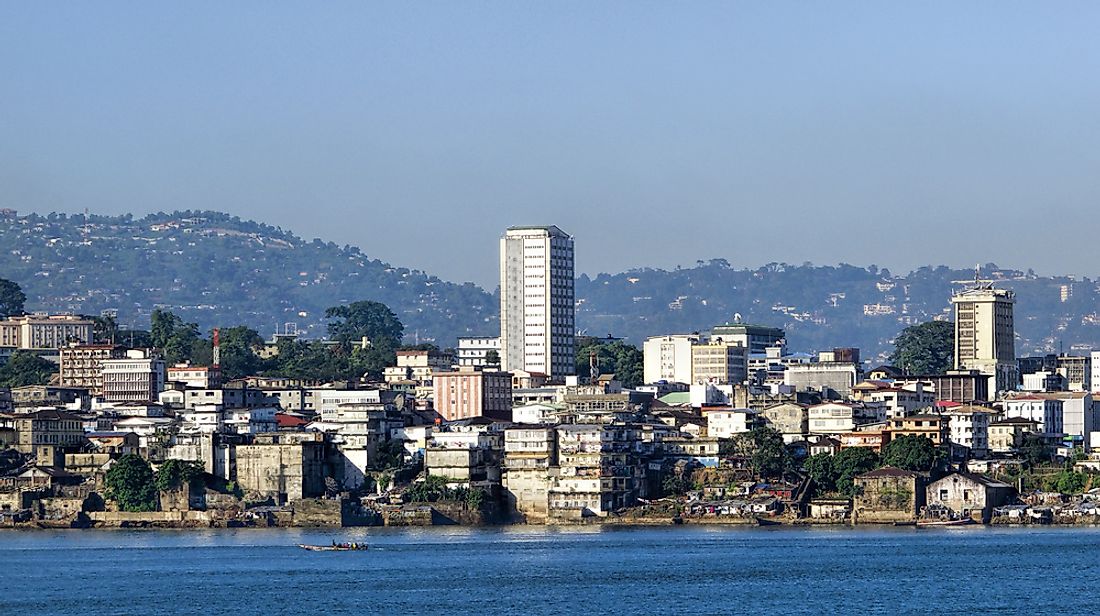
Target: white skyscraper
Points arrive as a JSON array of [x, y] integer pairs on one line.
[[536, 300]]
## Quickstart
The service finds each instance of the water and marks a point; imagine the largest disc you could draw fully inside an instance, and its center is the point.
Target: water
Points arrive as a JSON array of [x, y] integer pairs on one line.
[[522, 570]]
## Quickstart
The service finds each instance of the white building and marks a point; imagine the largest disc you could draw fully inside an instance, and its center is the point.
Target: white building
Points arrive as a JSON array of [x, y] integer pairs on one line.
[[724, 423], [823, 375], [536, 300], [137, 378], [473, 350], [969, 426], [668, 358], [1047, 412]]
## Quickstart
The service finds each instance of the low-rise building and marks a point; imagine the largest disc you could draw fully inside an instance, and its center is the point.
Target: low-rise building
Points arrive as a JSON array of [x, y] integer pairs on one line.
[[283, 466], [724, 422], [888, 495], [48, 430], [968, 426], [968, 495], [790, 418], [932, 427], [1007, 435]]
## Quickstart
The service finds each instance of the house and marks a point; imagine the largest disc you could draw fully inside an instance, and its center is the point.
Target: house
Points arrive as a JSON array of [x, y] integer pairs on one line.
[[968, 495], [888, 495], [1007, 435], [826, 445]]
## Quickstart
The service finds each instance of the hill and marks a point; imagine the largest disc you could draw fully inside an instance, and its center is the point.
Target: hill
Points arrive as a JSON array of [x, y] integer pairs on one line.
[[216, 269]]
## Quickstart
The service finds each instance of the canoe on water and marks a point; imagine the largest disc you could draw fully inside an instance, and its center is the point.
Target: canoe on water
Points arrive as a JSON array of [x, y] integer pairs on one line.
[[358, 547]]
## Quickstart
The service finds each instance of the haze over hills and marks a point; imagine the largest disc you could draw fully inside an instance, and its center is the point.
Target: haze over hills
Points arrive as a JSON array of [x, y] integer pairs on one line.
[[219, 270]]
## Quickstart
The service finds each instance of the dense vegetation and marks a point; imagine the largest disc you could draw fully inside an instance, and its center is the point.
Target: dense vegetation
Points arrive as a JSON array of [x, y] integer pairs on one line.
[[217, 270], [928, 348]]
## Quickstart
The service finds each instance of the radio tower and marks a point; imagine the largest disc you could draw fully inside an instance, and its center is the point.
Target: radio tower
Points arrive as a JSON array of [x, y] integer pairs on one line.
[[217, 350]]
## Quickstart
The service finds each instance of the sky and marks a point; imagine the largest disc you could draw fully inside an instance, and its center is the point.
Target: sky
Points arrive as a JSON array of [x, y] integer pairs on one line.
[[658, 134]]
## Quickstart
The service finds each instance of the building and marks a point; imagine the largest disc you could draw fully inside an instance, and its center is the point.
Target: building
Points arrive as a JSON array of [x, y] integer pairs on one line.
[[719, 363], [1077, 414], [81, 365], [1046, 412], [726, 422], [135, 378], [790, 418], [42, 331], [1077, 370], [598, 470], [896, 401], [197, 377], [838, 418], [669, 358], [964, 386], [469, 392], [283, 466], [968, 426], [932, 427], [474, 351], [1006, 436], [985, 336], [823, 376], [529, 468], [968, 495], [888, 495], [418, 366], [48, 430], [755, 338], [537, 301]]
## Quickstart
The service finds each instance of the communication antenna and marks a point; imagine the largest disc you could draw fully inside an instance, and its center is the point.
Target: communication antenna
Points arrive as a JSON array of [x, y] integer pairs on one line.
[[593, 365], [978, 282], [217, 349]]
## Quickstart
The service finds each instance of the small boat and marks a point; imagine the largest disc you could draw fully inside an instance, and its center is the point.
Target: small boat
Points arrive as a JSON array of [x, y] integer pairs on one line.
[[939, 523], [336, 547]]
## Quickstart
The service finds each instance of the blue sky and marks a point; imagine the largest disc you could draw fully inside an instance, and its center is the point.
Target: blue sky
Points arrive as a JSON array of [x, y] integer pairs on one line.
[[897, 134]]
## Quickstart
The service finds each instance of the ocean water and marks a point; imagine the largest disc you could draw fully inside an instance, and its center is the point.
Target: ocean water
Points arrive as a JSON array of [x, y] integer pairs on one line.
[[535, 570]]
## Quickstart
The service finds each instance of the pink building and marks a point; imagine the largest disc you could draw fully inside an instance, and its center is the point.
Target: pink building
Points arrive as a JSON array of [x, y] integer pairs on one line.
[[469, 392]]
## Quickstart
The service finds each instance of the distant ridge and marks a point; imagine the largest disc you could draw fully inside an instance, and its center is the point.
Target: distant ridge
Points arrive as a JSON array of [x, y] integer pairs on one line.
[[217, 269]]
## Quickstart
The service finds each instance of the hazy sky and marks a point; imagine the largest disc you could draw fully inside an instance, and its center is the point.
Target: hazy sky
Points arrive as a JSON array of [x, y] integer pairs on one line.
[[657, 134]]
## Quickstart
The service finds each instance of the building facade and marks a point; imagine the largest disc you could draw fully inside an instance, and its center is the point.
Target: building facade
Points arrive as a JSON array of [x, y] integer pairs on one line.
[[985, 335], [468, 392], [41, 331], [136, 378], [537, 301], [81, 365]]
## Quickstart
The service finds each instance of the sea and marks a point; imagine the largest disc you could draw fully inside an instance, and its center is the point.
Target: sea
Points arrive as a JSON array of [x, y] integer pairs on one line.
[[553, 570]]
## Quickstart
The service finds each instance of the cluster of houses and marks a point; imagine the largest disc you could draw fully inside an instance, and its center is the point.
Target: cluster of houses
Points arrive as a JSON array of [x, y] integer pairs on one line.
[[541, 448]]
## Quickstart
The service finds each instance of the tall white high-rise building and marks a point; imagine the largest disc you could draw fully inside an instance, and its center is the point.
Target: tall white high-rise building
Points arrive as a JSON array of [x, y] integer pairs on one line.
[[536, 300]]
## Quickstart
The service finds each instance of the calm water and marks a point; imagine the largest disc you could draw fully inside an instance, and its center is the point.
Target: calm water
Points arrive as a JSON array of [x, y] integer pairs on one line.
[[537, 570]]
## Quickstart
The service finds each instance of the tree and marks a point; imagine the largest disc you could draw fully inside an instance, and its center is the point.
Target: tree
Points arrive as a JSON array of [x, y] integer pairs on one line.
[[238, 354], [765, 450], [624, 360], [25, 368], [104, 329], [365, 319], [927, 348], [492, 358], [1034, 449], [912, 453], [172, 336], [1070, 482], [12, 298], [850, 463], [130, 484], [822, 471], [175, 473]]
